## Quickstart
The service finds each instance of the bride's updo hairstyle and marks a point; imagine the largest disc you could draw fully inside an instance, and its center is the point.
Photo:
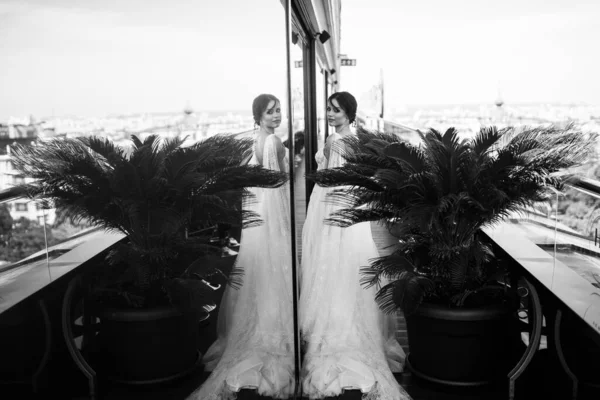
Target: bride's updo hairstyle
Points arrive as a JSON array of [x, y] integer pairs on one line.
[[259, 105], [347, 103]]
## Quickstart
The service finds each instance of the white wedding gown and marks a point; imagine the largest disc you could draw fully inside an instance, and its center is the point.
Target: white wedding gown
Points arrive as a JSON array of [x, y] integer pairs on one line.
[[348, 343], [255, 344]]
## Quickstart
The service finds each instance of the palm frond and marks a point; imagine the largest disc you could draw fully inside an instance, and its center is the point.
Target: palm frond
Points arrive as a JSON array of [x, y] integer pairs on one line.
[[153, 193]]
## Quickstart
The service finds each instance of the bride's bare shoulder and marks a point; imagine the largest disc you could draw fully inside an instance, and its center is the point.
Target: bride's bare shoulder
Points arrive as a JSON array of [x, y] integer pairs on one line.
[[278, 145]]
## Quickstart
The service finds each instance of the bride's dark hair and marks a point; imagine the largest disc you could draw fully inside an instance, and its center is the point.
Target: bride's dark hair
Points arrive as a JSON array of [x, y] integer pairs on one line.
[[347, 103], [259, 105]]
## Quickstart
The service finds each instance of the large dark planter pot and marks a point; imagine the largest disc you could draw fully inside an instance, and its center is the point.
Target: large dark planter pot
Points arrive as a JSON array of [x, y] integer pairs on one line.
[[581, 348], [460, 347], [148, 346]]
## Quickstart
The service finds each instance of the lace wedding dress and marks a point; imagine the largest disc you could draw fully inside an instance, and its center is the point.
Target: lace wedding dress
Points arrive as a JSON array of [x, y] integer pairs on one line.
[[255, 344], [348, 342]]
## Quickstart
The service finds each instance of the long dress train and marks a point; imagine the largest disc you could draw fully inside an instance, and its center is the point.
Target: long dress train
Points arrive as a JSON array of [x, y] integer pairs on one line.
[[255, 344], [348, 342]]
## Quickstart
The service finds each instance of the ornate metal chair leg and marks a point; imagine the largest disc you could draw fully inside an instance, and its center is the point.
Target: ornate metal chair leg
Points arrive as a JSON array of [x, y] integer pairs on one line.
[[47, 349], [87, 370], [561, 356], [535, 319]]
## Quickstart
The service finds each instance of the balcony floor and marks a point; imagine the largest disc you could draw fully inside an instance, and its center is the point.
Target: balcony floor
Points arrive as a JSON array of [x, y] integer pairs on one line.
[[540, 380], [530, 386], [417, 389]]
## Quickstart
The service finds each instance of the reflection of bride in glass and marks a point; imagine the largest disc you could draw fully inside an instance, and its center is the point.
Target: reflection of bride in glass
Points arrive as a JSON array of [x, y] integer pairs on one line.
[[349, 344], [254, 348]]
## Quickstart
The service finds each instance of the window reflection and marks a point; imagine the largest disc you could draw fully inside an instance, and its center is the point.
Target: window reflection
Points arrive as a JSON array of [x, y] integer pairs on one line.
[[321, 101], [299, 134]]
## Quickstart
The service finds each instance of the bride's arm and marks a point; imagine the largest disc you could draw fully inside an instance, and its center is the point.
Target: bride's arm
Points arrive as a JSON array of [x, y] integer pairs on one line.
[[281, 150], [327, 148]]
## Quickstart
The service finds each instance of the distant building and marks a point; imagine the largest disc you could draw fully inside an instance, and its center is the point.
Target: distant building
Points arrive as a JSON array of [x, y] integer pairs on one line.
[[190, 126], [16, 134], [499, 115], [11, 134]]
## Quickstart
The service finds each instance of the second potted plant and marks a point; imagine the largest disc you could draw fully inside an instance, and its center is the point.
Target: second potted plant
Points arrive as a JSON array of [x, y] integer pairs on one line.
[[435, 197]]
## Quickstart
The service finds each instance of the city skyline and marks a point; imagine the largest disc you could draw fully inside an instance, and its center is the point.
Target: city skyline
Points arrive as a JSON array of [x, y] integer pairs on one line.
[[248, 113]]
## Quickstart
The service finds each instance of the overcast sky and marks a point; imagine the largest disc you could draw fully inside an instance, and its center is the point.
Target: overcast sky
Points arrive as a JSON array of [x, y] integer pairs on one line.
[[463, 51], [93, 58]]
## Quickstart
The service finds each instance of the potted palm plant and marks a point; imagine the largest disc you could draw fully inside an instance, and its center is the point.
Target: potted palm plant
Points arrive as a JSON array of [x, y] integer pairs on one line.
[[435, 197], [167, 199]]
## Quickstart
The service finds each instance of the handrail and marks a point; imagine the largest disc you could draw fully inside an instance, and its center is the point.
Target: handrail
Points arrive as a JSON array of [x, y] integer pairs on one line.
[[388, 125], [583, 184], [48, 252], [31, 281], [12, 193], [400, 126]]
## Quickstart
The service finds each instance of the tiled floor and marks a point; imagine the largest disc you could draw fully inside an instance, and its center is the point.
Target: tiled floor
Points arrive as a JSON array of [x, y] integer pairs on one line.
[[180, 389], [537, 383]]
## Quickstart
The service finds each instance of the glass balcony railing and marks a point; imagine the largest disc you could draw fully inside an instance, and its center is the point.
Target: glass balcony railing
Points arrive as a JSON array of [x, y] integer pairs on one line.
[[35, 254], [557, 241]]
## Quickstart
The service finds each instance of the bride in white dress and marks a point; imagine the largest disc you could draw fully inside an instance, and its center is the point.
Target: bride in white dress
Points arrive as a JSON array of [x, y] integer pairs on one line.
[[348, 343], [255, 344]]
